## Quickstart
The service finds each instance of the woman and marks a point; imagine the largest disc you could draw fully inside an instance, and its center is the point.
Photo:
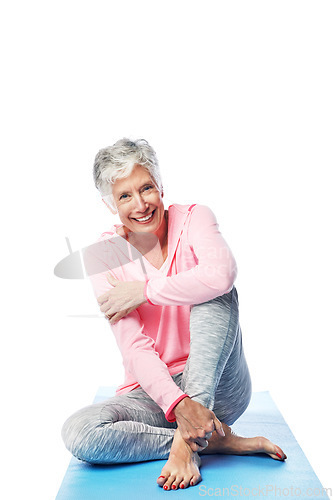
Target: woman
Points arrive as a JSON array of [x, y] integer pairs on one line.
[[164, 280]]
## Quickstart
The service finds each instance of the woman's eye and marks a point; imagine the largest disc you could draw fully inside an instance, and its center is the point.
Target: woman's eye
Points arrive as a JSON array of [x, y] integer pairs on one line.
[[146, 188], [123, 197]]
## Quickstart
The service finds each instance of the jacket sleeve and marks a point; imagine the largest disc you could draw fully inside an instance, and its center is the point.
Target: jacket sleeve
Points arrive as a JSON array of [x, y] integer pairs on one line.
[[144, 364], [213, 275], [140, 359]]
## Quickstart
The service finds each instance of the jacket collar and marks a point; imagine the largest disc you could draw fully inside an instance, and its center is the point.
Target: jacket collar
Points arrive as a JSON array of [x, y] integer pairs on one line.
[[178, 215]]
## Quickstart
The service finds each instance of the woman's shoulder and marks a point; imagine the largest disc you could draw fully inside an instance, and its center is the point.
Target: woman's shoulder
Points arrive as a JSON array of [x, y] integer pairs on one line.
[[194, 216], [183, 208], [196, 208]]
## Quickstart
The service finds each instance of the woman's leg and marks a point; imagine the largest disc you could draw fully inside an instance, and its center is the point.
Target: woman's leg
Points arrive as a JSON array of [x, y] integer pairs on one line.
[[234, 390], [126, 428], [216, 373]]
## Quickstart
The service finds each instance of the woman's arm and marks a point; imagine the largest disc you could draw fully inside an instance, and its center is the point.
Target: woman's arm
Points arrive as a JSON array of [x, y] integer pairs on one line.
[[213, 275], [138, 352], [143, 362]]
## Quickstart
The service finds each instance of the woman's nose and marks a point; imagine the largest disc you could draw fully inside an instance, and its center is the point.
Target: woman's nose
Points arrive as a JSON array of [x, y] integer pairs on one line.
[[140, 203]]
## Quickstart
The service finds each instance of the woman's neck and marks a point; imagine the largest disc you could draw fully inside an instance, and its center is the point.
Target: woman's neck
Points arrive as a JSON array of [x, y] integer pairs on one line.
[[152, 245]]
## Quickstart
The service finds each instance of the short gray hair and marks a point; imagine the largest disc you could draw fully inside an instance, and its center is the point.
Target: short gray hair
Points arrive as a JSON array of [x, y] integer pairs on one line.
[[117, 161]]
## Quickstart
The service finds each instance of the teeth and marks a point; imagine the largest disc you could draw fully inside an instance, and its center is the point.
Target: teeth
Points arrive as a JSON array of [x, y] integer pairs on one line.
[[145, 218]]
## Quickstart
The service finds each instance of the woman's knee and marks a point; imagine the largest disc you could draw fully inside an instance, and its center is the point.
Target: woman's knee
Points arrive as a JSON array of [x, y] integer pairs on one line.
[[222, 311], [228, 302], [81, 433]]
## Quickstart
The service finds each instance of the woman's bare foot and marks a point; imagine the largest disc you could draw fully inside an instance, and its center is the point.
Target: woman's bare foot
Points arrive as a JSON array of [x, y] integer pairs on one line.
[[182, 467], [231, 444]]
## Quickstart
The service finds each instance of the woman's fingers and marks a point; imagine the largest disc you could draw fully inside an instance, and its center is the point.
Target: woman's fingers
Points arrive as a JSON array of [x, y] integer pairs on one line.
[[109, 309], [104, 307], [195, 446], [113, 318], [105, 296], [196, 423], [202, 443], [218, 427], [117, 317]]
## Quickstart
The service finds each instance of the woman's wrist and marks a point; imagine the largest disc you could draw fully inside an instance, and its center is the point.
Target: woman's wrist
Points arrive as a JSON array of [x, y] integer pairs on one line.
[[183, 403], [170, 415], [140, 291]]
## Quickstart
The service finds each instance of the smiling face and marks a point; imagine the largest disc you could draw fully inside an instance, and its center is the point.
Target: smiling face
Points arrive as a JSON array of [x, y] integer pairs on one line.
[[139, 202]]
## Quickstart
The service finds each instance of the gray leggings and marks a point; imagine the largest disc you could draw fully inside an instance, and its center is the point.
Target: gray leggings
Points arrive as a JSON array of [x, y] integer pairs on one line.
[[132, 427]]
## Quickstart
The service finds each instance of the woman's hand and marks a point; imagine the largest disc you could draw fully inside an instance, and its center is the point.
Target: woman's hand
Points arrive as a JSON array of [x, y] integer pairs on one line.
[[123, 298], [196, 423]]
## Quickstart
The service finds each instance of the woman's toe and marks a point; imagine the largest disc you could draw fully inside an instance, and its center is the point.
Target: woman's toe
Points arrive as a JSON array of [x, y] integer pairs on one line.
[[271, 449], [195, 480], [280, 454], [161, 480], [176, 484], [168, 483]]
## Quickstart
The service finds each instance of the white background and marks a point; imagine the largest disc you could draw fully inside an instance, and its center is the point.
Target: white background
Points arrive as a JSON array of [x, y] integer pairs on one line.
[[236, 98]]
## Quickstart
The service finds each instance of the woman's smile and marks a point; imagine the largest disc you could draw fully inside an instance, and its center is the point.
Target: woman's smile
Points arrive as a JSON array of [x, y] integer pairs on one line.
[[146, 218]]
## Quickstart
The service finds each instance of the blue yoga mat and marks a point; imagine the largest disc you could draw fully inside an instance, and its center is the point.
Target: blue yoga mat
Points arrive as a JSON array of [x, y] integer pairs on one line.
[[222, 475]]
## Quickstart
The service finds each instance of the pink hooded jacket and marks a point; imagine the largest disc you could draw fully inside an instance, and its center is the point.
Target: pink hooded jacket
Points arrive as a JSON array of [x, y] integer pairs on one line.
[[154, 340]]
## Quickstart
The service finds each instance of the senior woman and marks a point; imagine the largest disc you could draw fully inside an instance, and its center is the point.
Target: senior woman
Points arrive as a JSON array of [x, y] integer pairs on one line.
[[164, 279]]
